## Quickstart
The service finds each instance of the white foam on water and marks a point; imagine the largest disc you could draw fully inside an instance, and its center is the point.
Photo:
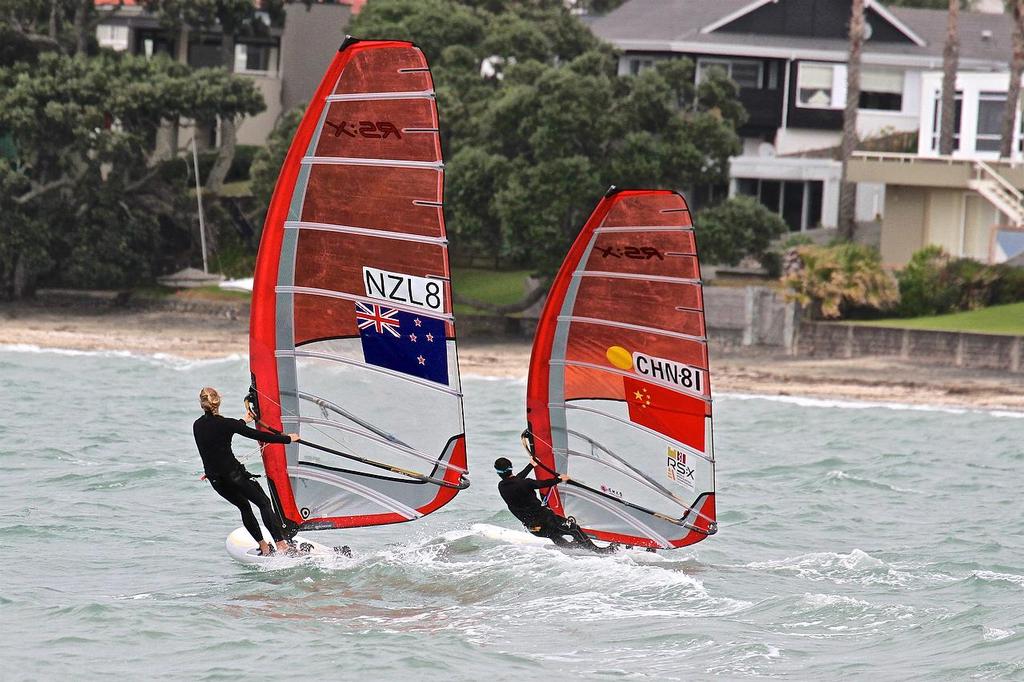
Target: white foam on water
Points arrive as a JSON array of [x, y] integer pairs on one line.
[[858, 567], [995, 634], [805, 401], [994, 576], [167, 360]]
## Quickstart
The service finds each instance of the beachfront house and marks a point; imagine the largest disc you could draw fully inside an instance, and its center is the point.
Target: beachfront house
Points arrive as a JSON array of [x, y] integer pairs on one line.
[[285, 62], [788, 58]]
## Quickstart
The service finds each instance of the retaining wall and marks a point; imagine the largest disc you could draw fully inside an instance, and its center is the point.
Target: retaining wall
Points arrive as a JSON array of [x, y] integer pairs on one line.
[[958, 349]]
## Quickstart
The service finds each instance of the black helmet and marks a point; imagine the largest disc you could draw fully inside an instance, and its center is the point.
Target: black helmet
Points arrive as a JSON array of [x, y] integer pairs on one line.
[[503, 466]]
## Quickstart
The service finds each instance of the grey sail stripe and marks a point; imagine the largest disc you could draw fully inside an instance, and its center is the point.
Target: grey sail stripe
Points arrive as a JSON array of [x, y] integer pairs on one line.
[[373, 368], [682, 446], [394, 446], [389, 503], [634, 327], [357, 161], [365, 299], [361, 96], [644, 228], [364, 231], [631, 375], [637, 276], [620, 514]]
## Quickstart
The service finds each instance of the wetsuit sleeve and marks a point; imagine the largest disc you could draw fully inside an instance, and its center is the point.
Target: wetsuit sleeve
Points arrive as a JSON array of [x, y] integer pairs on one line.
[[525, 472], [546, 483], [262, 436]]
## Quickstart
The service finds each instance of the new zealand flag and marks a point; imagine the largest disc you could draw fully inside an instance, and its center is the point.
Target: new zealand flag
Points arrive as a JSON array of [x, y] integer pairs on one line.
[[409, 343]]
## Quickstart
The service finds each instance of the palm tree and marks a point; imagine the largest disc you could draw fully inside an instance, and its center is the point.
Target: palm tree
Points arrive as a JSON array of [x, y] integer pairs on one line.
[[1016, 69], [847, 189], [950, 61]]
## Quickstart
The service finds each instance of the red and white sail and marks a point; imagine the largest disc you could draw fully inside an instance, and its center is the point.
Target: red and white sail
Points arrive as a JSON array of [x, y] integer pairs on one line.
[[619, 393], [352, 340]]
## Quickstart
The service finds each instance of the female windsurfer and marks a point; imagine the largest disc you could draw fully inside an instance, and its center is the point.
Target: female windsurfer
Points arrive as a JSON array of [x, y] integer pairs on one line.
[[227, 475]]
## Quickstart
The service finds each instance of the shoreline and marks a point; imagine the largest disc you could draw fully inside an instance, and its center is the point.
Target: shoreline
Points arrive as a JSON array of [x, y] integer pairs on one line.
[[747, 371]]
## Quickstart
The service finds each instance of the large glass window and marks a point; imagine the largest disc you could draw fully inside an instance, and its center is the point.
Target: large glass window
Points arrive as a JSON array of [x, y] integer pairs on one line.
[[638, 65], [881, 89], [114, 37], [746, 73], [255, 57], [798, 202], [958, 105], [990, 121], [814, 86]]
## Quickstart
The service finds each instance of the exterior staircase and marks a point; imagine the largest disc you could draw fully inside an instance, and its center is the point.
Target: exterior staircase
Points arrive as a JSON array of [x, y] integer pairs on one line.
[[999, 192]]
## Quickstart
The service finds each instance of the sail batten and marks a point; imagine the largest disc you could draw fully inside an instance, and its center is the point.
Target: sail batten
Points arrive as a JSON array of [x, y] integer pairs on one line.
[[619, 393], [352, 303]]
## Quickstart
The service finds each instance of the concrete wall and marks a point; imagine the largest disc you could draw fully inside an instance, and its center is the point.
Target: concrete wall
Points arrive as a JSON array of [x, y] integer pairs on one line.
[[310, 40], [904, 223], [959, 349], [255, 129], [748, 316]]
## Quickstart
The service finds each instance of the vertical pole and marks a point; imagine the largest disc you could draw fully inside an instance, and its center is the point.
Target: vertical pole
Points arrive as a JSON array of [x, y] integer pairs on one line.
[[199, 201]]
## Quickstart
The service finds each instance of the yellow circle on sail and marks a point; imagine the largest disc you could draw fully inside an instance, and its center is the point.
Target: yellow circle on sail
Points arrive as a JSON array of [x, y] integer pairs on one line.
[[620, 357]]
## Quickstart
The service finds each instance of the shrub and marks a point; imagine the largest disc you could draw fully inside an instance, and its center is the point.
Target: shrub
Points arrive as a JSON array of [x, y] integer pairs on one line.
[[737, 228], [831, 281], [933, 283], [923, 288]]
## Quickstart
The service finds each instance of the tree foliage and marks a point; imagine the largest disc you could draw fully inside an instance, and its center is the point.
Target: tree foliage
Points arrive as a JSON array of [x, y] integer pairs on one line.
[[934, 283], [735, 229], [83, 192], [537, 124], [830, 281]]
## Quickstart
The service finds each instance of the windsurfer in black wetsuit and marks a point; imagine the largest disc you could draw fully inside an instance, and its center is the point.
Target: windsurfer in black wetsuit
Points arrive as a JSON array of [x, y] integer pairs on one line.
[[227, 475], [520, 494]]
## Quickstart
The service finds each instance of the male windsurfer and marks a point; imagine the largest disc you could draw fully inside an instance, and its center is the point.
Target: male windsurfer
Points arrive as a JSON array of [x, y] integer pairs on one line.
[[227, 475], [520, 494]]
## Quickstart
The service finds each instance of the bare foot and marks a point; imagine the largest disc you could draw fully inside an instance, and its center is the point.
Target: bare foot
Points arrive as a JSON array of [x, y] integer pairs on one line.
[[282, 546], [264, 548]]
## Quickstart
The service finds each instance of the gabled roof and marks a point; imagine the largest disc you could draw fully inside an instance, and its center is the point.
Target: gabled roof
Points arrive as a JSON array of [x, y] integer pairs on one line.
[[681, 26], [868, 5]]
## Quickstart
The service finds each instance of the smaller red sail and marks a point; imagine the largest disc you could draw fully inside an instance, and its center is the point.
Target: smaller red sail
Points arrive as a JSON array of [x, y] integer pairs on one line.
[[619, 393], [352, 340]]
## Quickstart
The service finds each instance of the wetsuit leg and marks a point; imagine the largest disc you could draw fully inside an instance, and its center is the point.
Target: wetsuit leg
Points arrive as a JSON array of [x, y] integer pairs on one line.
[[253, 492], [228, 491]]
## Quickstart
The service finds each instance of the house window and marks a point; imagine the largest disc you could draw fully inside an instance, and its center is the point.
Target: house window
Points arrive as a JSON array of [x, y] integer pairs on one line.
[[746, 73], [882, 90], [151, 42], [638, 65], [255, 57], [797, 202], [113, 37], [816, 86], [990, 121], [958, 104]]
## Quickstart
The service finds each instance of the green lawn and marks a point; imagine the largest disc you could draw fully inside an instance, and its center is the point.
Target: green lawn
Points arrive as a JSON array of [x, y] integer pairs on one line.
[[499, 287], [998, 319]]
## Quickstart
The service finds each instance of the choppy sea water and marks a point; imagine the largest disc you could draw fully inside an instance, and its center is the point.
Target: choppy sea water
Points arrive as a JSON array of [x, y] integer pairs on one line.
[[857, 541]]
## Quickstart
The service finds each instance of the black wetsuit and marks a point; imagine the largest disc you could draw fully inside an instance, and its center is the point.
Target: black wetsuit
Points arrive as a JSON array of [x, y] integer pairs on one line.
[[520, 494], [227, 475]]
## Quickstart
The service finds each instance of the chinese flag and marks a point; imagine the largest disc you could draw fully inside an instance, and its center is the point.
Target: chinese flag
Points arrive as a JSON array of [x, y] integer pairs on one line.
[[678, 416]]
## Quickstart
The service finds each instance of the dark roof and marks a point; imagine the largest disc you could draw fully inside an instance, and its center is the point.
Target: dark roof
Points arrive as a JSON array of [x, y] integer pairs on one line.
[[651, 22]]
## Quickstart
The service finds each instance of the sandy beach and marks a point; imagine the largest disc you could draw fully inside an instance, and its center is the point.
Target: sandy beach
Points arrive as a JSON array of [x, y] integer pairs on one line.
[[733, 370]]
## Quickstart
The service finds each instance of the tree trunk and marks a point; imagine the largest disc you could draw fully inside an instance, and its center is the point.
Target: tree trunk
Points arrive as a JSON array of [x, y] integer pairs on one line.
[[950, 62], [1016, 69], [228, 127], [81, 25], [22, 279], [847, 189], [52, 28]]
